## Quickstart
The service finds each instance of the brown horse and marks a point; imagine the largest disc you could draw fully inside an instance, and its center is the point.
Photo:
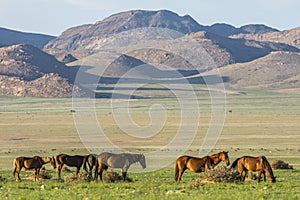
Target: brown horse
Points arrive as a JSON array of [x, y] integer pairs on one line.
[[35, 162], [255, 164], [123, 161], [91, 162], [71, 161], [196, 164]]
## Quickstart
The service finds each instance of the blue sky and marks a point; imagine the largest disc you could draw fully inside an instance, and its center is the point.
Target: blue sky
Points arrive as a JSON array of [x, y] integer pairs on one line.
[[54, 16]]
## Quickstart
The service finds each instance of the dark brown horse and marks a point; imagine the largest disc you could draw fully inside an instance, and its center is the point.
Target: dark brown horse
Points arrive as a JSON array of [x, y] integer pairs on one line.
[[91, 162], [71, 161], [255, 164], [123, 161], [35, 162], [196, 164]]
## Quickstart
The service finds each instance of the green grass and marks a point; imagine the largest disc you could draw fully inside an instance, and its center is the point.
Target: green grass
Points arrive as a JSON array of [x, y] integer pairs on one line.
[[260, 123], [152, 185]]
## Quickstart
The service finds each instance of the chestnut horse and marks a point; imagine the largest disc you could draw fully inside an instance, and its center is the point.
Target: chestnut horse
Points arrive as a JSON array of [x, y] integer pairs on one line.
[[123, 161], [71, 161], [35, 162], [255, 164], [91, 162], [196, 164]]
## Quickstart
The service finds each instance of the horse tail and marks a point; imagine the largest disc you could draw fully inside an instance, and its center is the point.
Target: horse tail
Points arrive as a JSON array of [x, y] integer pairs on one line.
[[179, 162], [96, 169], [233, 165], [176, 171], [14, 167]]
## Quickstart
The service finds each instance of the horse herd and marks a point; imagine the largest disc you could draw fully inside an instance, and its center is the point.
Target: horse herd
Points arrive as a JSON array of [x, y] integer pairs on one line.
[[124, 160]]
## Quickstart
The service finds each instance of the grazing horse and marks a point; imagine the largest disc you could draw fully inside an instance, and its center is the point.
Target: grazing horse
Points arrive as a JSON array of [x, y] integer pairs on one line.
[[35, 162], [123, 161], [91, 161], [71, 161], [196, 164], [255, 164]]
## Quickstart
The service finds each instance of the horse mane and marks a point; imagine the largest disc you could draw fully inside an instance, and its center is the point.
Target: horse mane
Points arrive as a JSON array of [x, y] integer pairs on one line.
[[267, 166], [216, 155]]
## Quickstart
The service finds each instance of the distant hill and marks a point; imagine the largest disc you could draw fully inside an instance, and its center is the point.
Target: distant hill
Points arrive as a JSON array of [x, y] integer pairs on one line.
[[25, 70], [227, 30], [290, 37], [10, 37], [277, 70]]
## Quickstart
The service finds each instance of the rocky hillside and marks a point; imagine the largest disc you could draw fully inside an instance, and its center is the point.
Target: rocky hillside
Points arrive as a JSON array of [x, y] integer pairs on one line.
[[79, 37], [290, 37], [10, 37], [27, 71], [277, 70]]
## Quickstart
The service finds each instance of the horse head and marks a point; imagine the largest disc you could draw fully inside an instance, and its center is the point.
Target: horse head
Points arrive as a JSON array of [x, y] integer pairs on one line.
[[273, 179], [224, 157], [142, 160]]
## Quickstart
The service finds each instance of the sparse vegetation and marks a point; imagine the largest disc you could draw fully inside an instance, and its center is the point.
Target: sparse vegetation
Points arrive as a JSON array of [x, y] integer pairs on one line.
[[279, 164]]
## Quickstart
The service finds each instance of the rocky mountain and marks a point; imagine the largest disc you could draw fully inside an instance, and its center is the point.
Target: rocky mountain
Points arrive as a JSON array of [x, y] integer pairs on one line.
[[253, 56], [10, 37], [25, 70], [93, 35], [79, 37]]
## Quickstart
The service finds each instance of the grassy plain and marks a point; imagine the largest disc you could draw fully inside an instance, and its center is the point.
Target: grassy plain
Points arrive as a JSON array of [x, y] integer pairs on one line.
[[256, 123]]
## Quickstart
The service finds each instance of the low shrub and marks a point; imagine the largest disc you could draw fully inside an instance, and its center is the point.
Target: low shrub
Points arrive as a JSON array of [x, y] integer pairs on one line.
[[279, 164]]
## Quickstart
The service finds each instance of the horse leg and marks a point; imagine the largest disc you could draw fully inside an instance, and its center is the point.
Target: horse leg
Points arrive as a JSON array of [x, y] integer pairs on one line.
[[91, 171], [77, 171], [59, 168], [96, 173], [18, 174], [124, 175], [259, 176], [36, 175], [244, 174], [124, 171], [264, 176], [181, 171], [100, 173]]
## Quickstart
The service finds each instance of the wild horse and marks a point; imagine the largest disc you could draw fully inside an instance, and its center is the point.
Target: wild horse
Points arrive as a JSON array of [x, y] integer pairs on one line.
[[35, 162], [255, 164], [196, 164], [123, 161], [71, 161], [90, 160]]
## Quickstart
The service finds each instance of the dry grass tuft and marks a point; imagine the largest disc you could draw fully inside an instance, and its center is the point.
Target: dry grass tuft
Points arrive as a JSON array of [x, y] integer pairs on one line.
[[111, 177], [43, 174], [279, 164], [220, 174], [82, 177]]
